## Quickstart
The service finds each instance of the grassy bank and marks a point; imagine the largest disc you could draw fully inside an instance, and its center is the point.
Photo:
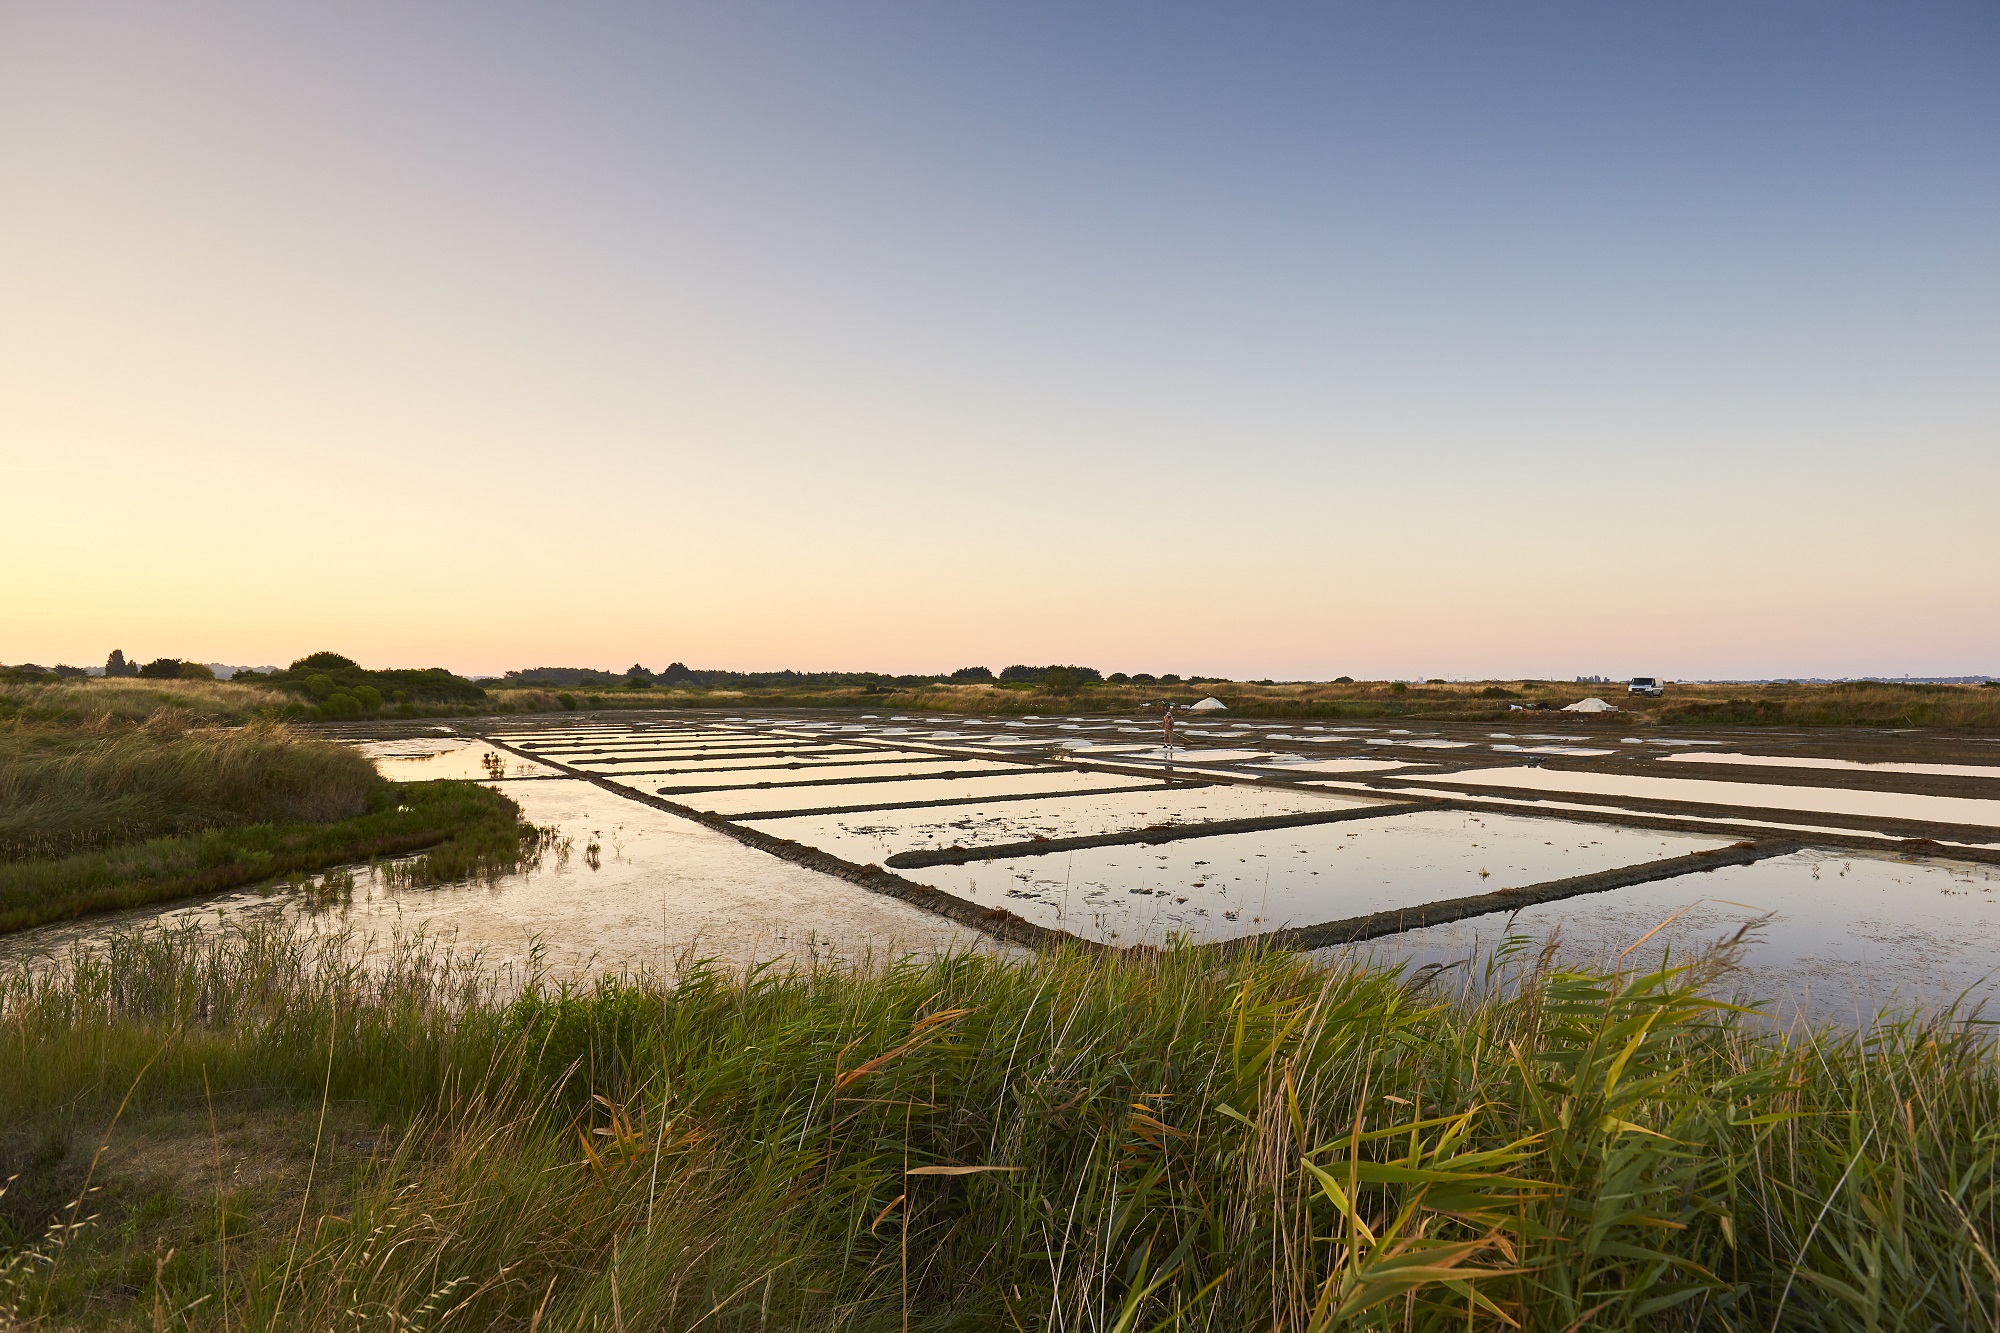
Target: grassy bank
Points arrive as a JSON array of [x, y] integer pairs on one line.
[[102, 813], [469, 829], [247, 1131], [1966, 707], [1969, 707], [65, 789]]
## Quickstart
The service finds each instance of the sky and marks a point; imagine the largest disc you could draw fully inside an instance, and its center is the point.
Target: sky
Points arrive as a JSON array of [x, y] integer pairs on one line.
[[1249, 340]]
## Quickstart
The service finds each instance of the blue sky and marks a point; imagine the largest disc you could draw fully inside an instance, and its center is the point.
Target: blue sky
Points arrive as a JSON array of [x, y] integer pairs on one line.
[[1260, 340]]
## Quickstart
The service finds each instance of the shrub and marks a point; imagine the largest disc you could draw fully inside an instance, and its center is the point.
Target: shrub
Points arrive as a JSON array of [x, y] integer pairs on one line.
[[162, 668], [370, 697], [194, 671], [325, 662], [1060, 680], [1343, 680], [319, 687], [340, 704], [1398, 687], [972, 675], [566, 699]]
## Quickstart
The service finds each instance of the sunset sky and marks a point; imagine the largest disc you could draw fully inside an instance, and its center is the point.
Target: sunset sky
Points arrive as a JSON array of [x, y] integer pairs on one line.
[[1285, 340]]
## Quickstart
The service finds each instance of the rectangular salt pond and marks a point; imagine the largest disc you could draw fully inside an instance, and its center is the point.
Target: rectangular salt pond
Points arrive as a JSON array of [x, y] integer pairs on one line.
[[826, 781], [872, 838], [426, 759], [761, 759], [1249, 883], [836, 796], [1852, 933], [657, 888], [1829, 800], [1837, 765]]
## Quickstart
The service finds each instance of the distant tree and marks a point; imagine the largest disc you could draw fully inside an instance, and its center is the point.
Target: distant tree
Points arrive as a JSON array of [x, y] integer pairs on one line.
[[971, 675], [325, 662], [1145, 678], [1170, 679], [162, 668], [370, 697], [1343, 680], [195, 671], [676, 674], [319, 686], [1020, 674], [1119, 678], [116, 665], [69, 672], [639, 676], [1061, 680]]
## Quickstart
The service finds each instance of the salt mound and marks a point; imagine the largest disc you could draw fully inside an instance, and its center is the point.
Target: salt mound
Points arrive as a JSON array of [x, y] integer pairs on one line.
[[1591, 706], [1208, 706]]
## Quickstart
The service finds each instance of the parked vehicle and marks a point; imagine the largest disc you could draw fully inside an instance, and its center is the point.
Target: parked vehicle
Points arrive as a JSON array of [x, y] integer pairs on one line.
[[1650, 686]]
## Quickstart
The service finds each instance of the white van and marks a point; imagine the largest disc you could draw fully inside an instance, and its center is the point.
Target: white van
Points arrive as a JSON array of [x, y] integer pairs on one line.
[[1649, 686]]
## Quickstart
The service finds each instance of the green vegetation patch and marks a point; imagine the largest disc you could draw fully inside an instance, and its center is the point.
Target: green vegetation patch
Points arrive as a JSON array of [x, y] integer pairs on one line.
[[340, 687], [1066, 1141], [471, 830]]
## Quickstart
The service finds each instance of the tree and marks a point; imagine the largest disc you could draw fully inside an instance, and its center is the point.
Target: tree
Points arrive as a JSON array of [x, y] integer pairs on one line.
[[1061, 680], [162, 668], [638, 676], [325, 662], [116, 665], [972, 675], [195, 671]]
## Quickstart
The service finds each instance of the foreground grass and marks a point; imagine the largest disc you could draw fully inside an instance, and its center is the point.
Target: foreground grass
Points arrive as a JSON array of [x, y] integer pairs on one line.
[[469, 829], [248, 1130]]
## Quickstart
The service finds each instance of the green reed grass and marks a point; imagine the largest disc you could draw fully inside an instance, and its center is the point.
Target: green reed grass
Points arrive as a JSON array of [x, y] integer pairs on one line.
[[67, 788], [470, 831], [1059, 1142]]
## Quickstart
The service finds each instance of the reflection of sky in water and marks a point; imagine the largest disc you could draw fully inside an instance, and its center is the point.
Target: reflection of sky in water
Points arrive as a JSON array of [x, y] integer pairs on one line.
[[424, 759], [871, 838], [663, 884], [1851, 932], [1236, 884], [836, 777], [1839, 765], [914, 789], [1882, 805]]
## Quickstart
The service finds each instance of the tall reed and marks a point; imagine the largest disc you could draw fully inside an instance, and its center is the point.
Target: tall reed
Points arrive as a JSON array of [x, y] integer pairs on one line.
[[65, 789], [1059, 1142]]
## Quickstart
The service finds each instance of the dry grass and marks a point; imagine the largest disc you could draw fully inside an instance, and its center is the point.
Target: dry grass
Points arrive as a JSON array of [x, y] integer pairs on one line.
[[69, 788], [98, 701]]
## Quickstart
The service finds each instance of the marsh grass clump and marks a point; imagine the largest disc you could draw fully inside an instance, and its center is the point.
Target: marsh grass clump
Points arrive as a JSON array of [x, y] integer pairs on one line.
[[69, 789], [1173, 1140], [458, 831], [128, 700]]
